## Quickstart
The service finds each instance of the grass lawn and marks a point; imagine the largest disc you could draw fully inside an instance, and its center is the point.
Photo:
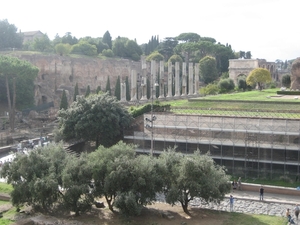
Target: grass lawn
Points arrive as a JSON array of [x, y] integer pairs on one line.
[[252, 104], [5, 188]]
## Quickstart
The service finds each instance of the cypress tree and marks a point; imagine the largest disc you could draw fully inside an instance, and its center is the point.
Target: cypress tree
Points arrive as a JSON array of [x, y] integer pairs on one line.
[[76, 92], [118, 89], [107, 89], [98, 89], [127, 89], [88, 91], [64, 101]]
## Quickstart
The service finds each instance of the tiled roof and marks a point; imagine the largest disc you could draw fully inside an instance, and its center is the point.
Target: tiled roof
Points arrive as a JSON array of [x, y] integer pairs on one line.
[[31, 33]]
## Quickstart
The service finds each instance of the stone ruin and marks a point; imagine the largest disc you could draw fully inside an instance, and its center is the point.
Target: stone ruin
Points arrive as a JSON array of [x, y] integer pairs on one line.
[[295, 75], [187, 76]]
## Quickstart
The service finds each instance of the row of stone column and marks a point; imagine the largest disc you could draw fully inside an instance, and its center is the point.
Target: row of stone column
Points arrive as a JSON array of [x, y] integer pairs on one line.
[[157, 78]]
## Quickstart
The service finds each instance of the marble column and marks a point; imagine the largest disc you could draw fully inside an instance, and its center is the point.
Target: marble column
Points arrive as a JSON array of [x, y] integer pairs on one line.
[[177, 84], [191, 78], [183, 86], [153, 80], [123, 91], [196, 83], [144, 80], [133, 85], [170, 76], [161, 79]]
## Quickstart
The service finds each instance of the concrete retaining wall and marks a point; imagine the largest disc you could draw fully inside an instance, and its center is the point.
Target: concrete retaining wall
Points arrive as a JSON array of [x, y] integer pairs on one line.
[[270, 189]]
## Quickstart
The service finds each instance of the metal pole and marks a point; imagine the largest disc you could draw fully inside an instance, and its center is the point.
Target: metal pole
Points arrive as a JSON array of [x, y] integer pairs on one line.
[[151, 119]]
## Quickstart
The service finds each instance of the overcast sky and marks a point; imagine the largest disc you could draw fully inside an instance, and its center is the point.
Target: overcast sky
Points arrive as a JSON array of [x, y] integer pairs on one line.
[[267, 28]]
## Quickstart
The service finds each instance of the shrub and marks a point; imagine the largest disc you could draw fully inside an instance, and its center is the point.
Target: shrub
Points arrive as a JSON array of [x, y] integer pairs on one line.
[[210, 89], [286, 80], [242, 84], [226, 85], [108, 53]]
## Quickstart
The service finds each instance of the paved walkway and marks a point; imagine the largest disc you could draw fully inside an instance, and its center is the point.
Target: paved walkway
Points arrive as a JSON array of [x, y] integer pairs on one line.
[[248, 202]]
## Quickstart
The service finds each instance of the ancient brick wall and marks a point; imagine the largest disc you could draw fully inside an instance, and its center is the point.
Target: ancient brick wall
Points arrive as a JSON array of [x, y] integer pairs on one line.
[[58, 73]]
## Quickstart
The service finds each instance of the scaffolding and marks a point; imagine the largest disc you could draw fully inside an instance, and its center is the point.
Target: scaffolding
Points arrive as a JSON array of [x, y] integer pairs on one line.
[[246, 146]]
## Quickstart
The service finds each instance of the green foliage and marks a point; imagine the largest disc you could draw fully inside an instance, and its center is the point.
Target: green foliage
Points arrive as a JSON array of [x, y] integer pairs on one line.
[[9, 38], [118, 89], [88, 91], [62, 49], [42, 44], [259, 76], [208, 70], [64, 101], [288, 92], [286, 80], [175, 58], [98, 89], [84, 48], [99, 117], [107, 88], [127, 205], [125, 48], [225, 75], [166, 48], [271, 84], [133, 50], [210, 89], [69, 39], [107, 53], [188, 37], [190, 176], [76, 92], [24, 74], [156, 56], [127, 89], [5, 188], [152, 45], [226, 85], [111, 170], [242, 85], [107, 39], [36, 177], [76, 180], [157, 107], [132, 181]]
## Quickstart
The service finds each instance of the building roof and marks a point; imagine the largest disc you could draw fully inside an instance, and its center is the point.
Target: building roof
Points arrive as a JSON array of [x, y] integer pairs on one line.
[[31, 33]]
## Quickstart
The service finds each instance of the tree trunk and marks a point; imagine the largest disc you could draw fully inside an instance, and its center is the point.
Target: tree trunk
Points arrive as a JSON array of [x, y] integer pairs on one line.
[[185, 207], [13, 105], [109, 200], [9, 102]]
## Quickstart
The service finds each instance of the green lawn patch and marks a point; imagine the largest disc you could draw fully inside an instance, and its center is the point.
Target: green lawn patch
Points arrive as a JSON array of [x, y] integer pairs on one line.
[[5, 188]]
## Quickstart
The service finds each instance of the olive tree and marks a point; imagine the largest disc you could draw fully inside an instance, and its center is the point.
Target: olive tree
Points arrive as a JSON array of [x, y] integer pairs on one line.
[[76, 181], [259, 77], [36, 177], [190, 176]]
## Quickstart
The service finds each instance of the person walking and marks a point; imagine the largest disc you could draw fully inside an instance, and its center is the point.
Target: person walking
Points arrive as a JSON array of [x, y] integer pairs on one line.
[[289, 217], [296, 210], [261, 193], [231, 201]]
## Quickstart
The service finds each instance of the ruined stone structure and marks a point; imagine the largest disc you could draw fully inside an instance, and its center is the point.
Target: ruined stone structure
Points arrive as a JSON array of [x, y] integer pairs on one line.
[[295, 78], [242, 67], [58, 73]]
